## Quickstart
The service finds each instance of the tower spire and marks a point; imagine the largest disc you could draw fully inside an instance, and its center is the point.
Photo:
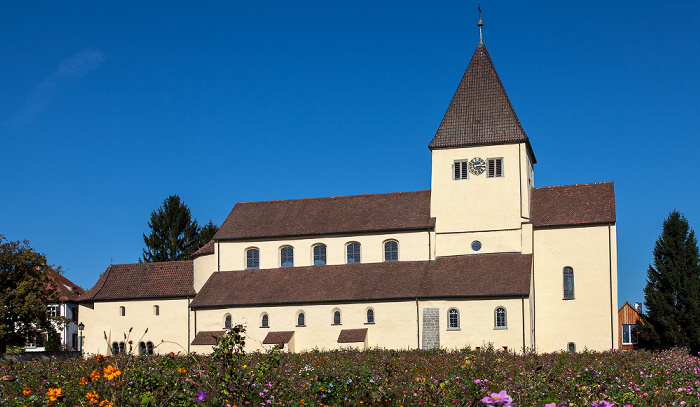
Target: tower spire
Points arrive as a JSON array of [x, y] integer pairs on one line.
[[480, 24]]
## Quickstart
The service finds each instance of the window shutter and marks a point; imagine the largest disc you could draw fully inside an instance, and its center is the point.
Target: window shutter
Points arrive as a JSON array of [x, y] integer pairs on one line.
[[455, 171], [465, 169], [499, 167]]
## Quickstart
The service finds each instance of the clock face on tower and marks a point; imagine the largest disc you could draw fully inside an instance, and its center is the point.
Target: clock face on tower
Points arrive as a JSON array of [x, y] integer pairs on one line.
[[477, 166]]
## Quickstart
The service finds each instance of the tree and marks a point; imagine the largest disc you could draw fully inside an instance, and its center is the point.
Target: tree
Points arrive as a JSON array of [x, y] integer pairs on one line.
[[672, 292], [207, 233], [25, 287], [174, 234]]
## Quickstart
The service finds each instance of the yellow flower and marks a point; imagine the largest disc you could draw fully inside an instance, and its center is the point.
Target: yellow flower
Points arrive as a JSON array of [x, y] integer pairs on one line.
[[106, 403], [94, 375], [54, 394], [110, 372], [26, 391], [92, 397]]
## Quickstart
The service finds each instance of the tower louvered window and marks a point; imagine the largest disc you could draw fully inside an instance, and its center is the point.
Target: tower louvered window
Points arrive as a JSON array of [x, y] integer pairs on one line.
[[460, 169], [495, 167]]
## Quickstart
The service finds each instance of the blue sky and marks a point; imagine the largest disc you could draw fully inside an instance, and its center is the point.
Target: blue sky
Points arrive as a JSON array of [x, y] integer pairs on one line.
[[108, 108]]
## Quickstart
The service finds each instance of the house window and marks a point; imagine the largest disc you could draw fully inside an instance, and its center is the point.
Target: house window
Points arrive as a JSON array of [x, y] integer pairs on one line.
[[494, 168], [353, 250], [301, 320], [460, 169], [391, 250], [370, 316], [53, 311], [571, 347], [453, 319], [122, 349], [122, 311], [227, 321], [500, 320], [156, 310], [115, 348], [287, 255], [142, 348], [319, 255], [629, 334], [568, 283], [252, 258], [74, 341], [336, 317], [75, 315], [149, 348], [265, 323]]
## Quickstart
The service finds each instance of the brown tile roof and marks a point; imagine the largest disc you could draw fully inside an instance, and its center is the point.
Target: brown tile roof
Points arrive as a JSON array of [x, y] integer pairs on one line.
[[277, 338], [504, 274], [207, 337], [573, 204], [206, 249], [315, 216], [352, 335], [480, 111], [68, 291], [144, 280]]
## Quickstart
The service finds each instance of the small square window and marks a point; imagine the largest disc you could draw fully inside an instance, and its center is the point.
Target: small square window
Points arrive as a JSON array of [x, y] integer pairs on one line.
[[460, 169], [495, 168]]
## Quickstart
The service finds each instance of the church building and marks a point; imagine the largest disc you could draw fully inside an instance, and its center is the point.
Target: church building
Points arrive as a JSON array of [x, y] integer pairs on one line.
[[483, 258]]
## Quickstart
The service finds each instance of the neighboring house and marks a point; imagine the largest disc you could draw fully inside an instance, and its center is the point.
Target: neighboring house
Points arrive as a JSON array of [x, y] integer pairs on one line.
[[66, 305], [628, 317], [483, 258]]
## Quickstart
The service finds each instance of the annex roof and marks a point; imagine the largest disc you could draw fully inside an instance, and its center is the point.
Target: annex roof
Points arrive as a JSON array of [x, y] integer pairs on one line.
[[502, 274], [144, 280], [573, 204], [207, 337], [206, 249], [278, 337], [352, 335], [480, 111], [68, 291], [318, 216]]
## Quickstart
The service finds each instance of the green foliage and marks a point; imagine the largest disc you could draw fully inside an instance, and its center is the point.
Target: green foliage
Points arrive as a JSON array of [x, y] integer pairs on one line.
[[53, 342], [174, 234], [26, 287], [207, 233], [672, 293]]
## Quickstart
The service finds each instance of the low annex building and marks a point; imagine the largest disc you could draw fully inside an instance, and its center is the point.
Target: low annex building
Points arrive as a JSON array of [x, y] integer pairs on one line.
[[483, 258]]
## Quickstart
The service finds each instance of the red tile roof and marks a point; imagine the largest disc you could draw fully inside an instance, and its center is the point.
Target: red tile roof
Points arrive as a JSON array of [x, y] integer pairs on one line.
[[144, 280], [573, 204], [316, 216], [480, 111], [352, 335], [68, 291], [206, 249], [504, 274], [207, 337], [278, 338]]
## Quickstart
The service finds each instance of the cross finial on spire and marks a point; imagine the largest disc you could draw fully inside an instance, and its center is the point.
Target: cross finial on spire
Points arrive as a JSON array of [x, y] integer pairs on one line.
[[480, 24]]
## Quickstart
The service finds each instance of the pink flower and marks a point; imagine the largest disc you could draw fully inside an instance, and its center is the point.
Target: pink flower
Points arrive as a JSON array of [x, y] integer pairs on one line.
[[498, 399]]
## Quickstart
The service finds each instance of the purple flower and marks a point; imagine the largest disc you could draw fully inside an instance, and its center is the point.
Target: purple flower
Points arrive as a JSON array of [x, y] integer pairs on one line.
[[562, 404], [602, 403], [498, 399], [200, 396]]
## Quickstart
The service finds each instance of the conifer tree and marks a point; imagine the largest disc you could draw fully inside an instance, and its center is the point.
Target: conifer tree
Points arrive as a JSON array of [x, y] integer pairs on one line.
[[207, 233], [672, 292], [174, 234]]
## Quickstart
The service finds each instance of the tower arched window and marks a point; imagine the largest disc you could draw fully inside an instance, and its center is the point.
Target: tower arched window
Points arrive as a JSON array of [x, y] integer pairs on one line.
[[252, 258], [500, 318], [568, 283], [353, 252], [301, 320], [336, 317], [452, 319], [265, 321], [391, 250], [370, 316], [287, 256], [319, 255]]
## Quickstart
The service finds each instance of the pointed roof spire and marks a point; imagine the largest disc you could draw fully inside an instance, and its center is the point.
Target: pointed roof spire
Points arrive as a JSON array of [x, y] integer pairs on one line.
[[480, 111], [480, 24]]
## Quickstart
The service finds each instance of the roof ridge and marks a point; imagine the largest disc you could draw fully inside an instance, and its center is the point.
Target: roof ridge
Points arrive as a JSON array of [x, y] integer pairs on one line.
[[333, 197], [576, 185]]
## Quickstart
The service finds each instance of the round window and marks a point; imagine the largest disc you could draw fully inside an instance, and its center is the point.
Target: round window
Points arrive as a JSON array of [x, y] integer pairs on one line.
[[476, 245]]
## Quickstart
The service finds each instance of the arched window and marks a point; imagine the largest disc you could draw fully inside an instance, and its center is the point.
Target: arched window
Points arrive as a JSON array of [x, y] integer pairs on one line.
[[265, 322], [336, 317], [156, 310], [301, 320], [391, 251], [115, 348], [453, 319], [500, 320], [122, 311], [122, 350], [252, 258], [370, 316], [142, 348], [227, 321], [149, 347], [571, 347], [319, 255], [287, 256], [353, 250], [568, 283]]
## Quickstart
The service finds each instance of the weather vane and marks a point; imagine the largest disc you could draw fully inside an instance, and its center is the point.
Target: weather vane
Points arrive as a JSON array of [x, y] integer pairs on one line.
[[480, 24]]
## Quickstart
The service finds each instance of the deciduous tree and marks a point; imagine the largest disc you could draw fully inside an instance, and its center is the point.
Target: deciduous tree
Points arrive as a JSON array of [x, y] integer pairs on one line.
[[25, 288], [672, 292]]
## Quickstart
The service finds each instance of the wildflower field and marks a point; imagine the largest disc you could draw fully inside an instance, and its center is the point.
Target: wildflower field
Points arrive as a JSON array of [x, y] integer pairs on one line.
[[231, 377]]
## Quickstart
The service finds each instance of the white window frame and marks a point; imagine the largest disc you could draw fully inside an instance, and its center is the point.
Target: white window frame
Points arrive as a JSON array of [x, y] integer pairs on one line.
[[628, 328], [492, 168], [450, 325], [495, 318]]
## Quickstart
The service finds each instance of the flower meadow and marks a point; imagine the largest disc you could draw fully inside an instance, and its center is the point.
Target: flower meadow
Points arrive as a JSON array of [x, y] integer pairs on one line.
[[231, 377]]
